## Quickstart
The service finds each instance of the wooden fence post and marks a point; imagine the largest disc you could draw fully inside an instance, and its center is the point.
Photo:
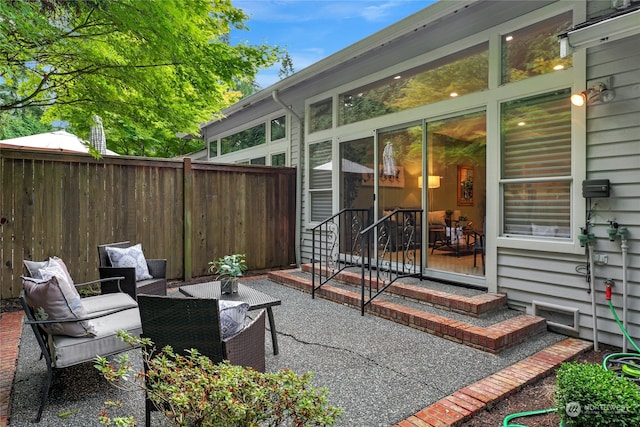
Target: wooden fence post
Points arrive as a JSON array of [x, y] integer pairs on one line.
[[188, 194]]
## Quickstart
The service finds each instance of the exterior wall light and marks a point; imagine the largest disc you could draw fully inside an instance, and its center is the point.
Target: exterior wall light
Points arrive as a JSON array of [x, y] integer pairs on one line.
[[597, 91]]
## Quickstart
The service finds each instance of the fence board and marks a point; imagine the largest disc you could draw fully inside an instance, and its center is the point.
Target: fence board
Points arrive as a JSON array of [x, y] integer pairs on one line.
[[66, 204]]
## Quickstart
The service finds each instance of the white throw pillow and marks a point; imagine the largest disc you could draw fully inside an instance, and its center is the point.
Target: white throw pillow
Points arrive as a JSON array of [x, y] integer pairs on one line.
[[130, 257], [232, 317]]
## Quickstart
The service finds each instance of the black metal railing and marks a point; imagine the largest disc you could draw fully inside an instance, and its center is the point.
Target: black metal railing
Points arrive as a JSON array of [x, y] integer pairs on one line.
[[336, 245], [393, 250]]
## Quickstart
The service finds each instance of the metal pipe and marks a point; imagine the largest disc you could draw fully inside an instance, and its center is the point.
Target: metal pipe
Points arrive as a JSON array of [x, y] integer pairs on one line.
[[298, 231], [622, 231], [594, 314]]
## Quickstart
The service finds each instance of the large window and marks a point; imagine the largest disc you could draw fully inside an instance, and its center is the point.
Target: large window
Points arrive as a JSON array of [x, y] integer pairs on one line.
[[536, 172], [321, 115], [534, 50], [244, 139], [320, 180], [278, 128], [454, 75], [279, 159]]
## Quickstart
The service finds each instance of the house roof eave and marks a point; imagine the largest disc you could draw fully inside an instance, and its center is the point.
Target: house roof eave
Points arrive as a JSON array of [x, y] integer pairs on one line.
[[619, 25], [422, 18]]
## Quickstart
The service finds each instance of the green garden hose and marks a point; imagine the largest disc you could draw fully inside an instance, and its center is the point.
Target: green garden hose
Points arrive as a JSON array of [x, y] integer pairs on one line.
[[508, 418], [626, 363], [624, 331]]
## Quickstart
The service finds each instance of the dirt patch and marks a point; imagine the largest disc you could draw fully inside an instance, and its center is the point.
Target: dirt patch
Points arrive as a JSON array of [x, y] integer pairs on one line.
[[535, 396], [10, 304]]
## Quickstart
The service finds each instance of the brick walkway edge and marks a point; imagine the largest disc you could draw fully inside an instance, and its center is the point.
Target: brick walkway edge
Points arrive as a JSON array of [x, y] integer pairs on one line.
[[11, 330], [463, 404]]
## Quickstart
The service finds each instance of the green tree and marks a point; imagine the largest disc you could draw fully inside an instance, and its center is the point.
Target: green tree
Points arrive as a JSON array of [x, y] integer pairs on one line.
[[24, 122], [286, 66], [148, 68]]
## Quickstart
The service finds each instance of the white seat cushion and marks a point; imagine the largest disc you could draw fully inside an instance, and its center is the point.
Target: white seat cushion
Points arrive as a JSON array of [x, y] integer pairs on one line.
[[106, 302], [67, 351]]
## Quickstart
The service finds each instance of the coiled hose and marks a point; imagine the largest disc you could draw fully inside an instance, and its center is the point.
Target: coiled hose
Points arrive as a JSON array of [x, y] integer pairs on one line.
[[626, 364]]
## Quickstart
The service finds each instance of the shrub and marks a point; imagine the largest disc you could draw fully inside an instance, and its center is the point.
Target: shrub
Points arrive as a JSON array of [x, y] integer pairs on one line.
[[193, 391], [588, 395]]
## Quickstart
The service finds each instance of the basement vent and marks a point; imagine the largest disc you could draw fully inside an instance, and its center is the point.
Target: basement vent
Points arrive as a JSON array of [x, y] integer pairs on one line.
[[559, 318]]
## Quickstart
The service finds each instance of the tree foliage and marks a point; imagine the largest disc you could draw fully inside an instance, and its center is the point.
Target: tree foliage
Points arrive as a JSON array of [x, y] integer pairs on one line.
[[24, 122], [148, 68]]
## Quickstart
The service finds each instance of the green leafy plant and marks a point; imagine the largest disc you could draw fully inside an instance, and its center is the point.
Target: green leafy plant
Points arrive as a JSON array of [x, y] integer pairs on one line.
[[229, 265], [191, 390], [588, 395]]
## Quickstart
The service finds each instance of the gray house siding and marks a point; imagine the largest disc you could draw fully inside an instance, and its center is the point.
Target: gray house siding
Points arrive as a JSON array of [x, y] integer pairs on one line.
[[613, 152], [529, 277]]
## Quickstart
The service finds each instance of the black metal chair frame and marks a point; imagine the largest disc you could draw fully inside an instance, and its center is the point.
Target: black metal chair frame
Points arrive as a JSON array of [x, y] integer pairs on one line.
[[42, 337]]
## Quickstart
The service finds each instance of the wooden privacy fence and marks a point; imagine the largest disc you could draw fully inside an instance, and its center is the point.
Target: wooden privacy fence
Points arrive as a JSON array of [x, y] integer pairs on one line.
[[190, 213]]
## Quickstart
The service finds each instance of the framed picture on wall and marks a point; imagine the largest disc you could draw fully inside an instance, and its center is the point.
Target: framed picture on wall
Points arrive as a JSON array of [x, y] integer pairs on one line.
[[465, 185]]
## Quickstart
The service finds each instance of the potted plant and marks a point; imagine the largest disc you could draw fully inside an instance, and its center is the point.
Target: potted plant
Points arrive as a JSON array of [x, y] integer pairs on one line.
[[228, 269]]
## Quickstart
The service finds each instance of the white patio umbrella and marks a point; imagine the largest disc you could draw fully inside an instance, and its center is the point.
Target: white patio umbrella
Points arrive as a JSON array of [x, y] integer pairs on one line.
[[59, 140], [389, 167], [97, 136], [347, 166]]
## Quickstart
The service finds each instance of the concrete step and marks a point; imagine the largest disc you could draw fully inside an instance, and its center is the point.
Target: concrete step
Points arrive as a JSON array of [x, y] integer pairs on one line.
[[477, 305], [492, 338]]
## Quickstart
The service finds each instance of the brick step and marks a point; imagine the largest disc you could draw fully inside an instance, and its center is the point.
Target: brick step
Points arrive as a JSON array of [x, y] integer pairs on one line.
[[476, 306], [492, 339]]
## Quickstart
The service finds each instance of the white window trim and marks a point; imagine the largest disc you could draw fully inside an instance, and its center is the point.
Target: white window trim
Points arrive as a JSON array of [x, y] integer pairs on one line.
[[308, 222], [490, 101], [279, 145], [577, 73]]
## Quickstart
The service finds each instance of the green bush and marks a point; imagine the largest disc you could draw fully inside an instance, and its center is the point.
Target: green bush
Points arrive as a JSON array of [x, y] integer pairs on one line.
[[587, 395], [193, 391]]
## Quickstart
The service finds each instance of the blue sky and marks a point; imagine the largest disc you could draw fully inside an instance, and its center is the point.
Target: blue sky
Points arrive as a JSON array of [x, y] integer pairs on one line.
[[311, 30]]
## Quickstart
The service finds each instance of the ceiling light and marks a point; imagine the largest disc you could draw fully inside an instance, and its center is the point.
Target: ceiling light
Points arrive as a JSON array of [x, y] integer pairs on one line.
[[522, 123], [558, 67], [398, 77], [453, 94], [508, 38]]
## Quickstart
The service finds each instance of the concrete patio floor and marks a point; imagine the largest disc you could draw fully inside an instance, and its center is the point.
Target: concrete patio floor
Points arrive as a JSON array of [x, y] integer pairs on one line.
[[381, 373]]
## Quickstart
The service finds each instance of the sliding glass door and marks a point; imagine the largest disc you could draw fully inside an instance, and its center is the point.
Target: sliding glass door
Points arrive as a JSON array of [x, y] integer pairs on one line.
[[456, 194], [401, 167]]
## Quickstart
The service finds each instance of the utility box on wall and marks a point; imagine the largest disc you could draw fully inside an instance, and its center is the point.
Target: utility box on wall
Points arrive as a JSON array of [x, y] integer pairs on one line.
[[595, 188]]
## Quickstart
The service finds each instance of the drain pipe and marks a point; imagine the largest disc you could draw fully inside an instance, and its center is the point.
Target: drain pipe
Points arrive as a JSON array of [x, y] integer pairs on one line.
[[594, 314], [614, 232], [622, 232], [298, 232], [586, 239]]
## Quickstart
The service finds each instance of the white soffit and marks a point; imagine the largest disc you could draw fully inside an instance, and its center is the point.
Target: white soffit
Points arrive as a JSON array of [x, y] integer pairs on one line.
[[607, 30]]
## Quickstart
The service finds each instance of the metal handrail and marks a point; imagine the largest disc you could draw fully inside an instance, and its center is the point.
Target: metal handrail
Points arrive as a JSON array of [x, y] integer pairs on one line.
[[332, 253], [396, 254]]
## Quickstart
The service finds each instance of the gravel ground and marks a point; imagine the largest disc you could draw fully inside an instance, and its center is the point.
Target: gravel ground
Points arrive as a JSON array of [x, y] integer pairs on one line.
[[379, 372]]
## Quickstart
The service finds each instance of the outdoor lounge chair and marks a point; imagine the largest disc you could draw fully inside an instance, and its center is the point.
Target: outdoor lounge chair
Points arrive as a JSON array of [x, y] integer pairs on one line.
[[156, 284], [186, 323], [105, 314]]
